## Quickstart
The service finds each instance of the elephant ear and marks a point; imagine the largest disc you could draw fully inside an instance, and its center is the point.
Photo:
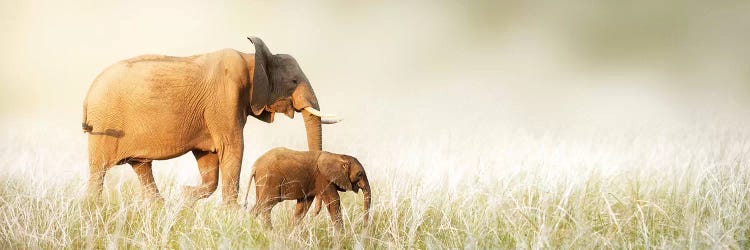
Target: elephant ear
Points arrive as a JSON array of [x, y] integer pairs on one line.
[[261, 91], [265, 116], [335, 169]]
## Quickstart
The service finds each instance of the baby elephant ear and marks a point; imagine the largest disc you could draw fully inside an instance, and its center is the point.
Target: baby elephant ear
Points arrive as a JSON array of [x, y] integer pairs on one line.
[[336, 170]]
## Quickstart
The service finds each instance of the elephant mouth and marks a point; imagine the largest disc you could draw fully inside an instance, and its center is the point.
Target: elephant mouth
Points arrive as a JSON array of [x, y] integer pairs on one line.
[[324, 118]]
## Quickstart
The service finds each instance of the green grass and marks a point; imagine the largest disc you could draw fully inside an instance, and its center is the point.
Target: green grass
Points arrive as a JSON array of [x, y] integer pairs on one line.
[[676, 187]]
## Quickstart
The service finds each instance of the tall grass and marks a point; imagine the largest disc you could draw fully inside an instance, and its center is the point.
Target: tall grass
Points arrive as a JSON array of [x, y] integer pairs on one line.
[[662, 185]]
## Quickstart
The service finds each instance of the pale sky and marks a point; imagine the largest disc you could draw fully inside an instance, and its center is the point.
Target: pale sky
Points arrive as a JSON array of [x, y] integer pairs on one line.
[[423, 59]]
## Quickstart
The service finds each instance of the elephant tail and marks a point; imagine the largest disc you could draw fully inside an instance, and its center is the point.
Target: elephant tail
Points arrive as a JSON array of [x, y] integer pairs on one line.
[[86, 127], [249, 184]]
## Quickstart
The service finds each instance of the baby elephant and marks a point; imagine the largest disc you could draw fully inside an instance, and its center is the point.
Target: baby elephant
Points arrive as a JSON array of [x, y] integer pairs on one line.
[[284, 174]]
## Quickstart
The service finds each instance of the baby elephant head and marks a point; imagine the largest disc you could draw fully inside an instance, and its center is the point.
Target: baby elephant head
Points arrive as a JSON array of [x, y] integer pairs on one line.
[[347, 174]]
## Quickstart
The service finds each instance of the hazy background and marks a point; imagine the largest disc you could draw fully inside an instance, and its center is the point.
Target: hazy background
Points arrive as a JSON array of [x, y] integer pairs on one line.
[[405, 71], [485, 124]]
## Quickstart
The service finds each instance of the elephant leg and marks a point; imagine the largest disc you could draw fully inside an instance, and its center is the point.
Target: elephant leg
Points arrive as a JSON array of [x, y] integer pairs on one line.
[[260, 198], [266, 219], [266, 214], [149, 191], [302, 206], [331, 199], [99, 150], [230, 162], [263, 209], [318, 201], [208, 166], [97, 171], [265, 200]]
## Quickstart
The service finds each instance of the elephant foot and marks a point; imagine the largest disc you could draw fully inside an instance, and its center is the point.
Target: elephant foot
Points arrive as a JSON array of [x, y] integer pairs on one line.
[[187, 191], [188, 195], [233, 206], [92, 202], [197, 193], [153, 200], [92, 198]]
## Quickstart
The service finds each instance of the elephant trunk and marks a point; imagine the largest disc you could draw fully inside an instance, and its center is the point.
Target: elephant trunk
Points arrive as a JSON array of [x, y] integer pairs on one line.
[[365, 186], [304, 100], [314, 131]]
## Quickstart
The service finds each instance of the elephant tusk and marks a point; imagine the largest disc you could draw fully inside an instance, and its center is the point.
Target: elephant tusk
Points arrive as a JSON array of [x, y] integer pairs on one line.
[[324, 118], [329, 120], [314, 111]]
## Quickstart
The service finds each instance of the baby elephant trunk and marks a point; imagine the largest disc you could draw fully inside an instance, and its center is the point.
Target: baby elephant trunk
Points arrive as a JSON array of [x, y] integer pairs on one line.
[[364, 184]]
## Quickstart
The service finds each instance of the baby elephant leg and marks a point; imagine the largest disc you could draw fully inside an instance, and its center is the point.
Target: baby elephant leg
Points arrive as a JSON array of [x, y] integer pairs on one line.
[[302, 206], [263, 210], [331, 199], [318, 201]]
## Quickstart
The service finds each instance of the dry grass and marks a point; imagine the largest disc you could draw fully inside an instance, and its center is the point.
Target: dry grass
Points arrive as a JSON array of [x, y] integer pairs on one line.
[[663, 185]]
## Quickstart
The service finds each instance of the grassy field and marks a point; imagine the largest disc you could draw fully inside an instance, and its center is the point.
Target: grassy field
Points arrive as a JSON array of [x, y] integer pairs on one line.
[[662, 185]]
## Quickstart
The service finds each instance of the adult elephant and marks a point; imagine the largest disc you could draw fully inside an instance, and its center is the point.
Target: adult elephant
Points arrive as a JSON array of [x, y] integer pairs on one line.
[[156, 107]]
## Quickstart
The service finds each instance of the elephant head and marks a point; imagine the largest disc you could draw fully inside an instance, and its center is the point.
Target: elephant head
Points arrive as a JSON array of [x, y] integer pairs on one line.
[[280, 86], [348, 174]]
